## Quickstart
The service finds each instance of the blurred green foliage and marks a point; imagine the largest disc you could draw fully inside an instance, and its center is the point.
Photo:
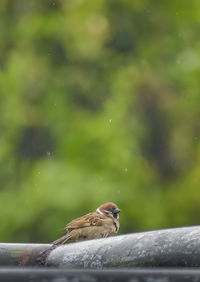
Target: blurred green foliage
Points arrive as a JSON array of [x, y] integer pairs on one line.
[[99, 101]]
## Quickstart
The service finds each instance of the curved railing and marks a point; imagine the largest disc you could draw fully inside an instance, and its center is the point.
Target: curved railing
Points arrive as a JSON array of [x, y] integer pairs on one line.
[[167, 247], [131, 254]]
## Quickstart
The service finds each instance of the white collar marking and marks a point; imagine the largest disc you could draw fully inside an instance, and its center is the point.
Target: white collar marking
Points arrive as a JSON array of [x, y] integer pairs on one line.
[[99, 211]]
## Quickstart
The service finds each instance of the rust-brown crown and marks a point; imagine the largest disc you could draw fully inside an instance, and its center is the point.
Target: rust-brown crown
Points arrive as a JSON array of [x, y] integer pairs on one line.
[[109, 207]]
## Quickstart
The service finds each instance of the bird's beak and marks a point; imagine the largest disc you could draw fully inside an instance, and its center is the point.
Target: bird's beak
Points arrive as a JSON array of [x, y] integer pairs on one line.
[[117, 210]]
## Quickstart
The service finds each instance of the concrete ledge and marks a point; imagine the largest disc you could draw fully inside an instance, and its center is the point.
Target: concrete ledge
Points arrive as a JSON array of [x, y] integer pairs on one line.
[[179, 247], [169, 247], [12, 254]]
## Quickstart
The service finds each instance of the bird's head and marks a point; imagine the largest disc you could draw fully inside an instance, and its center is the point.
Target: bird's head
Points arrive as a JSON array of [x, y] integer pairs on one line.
[[109, 209]]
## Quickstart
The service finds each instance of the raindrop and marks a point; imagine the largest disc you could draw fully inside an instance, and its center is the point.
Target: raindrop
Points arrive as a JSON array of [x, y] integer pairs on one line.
[[110, 120], [48, 154]]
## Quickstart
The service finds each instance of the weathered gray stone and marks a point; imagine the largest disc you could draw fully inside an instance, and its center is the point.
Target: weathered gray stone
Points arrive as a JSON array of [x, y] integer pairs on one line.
[[166, 248], [12, 254], [169, 247]]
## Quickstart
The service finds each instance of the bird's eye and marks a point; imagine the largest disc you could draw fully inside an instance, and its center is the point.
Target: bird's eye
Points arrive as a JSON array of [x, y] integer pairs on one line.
[[116, 210]]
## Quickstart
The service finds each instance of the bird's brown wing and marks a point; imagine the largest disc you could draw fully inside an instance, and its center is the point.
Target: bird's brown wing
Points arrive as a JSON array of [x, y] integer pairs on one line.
[[90, 219]]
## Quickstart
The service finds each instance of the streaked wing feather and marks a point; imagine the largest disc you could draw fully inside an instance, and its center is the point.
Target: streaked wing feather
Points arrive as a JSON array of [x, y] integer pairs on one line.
[[85, 221]]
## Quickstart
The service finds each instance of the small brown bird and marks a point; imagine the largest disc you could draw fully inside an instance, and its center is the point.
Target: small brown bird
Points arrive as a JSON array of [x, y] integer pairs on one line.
[[102, 223]]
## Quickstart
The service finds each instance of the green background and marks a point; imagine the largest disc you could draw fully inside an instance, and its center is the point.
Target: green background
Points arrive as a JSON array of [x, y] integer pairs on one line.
[[99, 101]]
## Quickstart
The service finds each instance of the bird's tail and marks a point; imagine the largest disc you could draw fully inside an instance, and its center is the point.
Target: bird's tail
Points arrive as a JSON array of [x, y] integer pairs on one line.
[[41, 260], [62, 239]]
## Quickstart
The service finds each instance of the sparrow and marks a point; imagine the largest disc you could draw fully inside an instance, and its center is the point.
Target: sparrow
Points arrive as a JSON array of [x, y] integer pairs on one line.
[[101, 223]]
